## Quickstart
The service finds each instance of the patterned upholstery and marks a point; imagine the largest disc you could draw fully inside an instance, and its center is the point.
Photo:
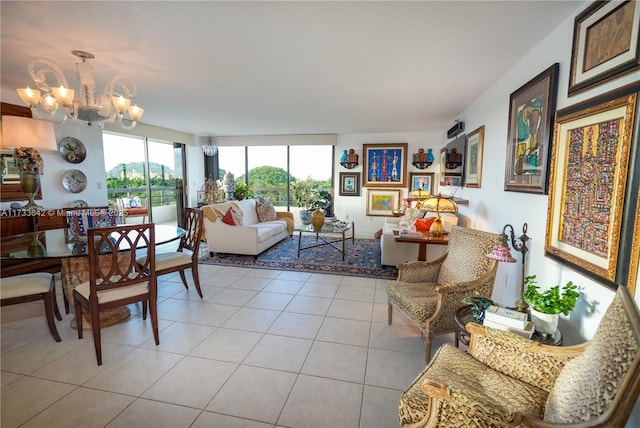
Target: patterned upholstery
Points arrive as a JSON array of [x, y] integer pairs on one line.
[[506, 380], [428, 293]]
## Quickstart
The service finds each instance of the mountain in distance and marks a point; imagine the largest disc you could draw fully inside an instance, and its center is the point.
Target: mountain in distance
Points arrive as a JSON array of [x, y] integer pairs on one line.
[[155, 170]]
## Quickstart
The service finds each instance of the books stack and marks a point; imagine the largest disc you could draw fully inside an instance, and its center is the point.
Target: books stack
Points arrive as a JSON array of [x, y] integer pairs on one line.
[[508, 320]]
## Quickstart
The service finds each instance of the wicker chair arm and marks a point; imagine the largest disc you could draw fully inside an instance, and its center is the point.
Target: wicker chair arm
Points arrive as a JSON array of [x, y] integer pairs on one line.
[[420, 271], [520, 358]]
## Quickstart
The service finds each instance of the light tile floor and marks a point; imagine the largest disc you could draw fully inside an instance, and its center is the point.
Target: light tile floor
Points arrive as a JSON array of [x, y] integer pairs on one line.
[[264, 348]]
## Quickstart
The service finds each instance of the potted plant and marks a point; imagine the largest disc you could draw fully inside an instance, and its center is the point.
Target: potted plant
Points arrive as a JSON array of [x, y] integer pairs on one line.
[[546, 306], [242, 191], [305, 195]]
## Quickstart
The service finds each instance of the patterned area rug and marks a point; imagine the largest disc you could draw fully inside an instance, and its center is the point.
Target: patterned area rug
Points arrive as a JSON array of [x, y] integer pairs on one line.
[[363, 258]]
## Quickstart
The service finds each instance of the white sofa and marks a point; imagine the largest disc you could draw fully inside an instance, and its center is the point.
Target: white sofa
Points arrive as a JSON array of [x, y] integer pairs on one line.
[[252, 237], [393, 253]]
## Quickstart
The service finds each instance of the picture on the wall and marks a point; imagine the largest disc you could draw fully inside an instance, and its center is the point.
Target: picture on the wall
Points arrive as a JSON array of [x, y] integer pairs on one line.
[[382, 202], [385, 165], [531, 110], [589, 176], [349, 184], [605, 44]]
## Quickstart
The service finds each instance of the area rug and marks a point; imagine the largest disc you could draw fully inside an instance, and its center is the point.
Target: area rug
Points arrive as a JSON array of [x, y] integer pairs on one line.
[[363, 258]]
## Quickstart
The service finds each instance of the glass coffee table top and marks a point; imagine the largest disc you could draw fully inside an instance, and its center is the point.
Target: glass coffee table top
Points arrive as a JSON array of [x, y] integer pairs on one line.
[[335, 227]]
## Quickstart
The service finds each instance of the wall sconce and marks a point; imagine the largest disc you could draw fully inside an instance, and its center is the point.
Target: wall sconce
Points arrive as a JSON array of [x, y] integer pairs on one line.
[[349, 159], [454, 159], [502, 253], [422, 160]]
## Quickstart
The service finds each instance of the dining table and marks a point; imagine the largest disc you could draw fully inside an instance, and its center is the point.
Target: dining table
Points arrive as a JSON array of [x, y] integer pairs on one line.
[[73, 253]]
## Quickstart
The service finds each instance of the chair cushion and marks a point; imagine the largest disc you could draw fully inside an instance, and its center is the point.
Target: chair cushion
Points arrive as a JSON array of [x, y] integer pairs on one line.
[[82, 220], [479, 396], [417, 299], [168, 260], [107, 296], [587, 385], [466, 259], [265, 210], [25, 285]]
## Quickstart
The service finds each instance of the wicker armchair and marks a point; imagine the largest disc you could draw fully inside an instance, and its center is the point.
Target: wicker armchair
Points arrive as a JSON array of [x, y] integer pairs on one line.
[[506, 380], [428, 293]]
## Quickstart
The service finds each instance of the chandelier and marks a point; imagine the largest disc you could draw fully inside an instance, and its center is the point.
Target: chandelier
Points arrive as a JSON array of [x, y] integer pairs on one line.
[[84, 105], [209, 145]]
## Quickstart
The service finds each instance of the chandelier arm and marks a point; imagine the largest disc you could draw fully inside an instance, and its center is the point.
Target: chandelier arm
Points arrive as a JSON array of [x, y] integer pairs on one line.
[[40, 76], [127, 86]]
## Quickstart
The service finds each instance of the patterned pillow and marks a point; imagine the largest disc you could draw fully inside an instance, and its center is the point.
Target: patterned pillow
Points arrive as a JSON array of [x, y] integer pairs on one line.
[[411, 215], [232, 217], [81, 220], [265, 210]]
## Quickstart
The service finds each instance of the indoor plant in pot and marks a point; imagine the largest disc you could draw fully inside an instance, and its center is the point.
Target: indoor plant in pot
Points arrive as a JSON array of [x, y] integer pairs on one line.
[[305, 196], [547, 305]]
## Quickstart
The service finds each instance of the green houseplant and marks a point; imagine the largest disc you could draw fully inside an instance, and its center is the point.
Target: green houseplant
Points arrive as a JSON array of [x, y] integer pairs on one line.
[[547, 305], [242, 191]]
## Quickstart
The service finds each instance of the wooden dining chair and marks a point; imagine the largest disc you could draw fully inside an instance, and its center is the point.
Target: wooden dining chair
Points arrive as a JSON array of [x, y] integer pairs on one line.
[[30, 287], [179, 261], [119, 282]]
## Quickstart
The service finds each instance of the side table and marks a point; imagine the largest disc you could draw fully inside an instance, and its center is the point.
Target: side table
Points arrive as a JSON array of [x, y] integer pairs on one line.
[[464, 315]]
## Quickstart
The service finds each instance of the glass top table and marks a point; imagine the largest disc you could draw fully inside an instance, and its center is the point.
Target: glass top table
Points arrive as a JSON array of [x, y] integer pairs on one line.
[[338, 229], [58, 243]]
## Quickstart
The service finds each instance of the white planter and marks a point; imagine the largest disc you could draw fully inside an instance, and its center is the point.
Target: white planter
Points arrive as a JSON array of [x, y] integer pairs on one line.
[[546, 324]]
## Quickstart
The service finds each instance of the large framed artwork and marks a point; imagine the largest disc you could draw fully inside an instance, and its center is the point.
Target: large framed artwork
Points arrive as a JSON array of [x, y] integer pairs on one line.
[[382, 202], [531, 110], [473, 171], [590, 173], [605, 44], [385, 165], [349, 184], [443, 161]]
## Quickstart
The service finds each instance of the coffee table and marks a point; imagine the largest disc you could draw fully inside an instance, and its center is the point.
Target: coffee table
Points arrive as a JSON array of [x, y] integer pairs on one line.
[[323, 236]]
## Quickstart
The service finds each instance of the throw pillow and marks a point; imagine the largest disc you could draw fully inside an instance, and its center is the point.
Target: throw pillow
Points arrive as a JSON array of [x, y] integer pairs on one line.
[[232, 218], [82, 220], [135, 202], [265, 210], [424, 224]]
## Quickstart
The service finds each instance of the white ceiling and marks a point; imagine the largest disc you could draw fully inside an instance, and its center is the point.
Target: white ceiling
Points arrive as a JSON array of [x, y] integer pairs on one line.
[[260, 68]]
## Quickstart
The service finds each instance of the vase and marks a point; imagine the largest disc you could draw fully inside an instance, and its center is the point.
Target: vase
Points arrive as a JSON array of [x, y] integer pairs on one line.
[[317, 219], [546, 324], [30, 182]]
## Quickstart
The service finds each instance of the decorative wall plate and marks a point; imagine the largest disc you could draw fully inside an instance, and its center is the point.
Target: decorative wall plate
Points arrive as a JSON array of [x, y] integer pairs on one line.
[[72, 150], [79, 203], [74, 181]]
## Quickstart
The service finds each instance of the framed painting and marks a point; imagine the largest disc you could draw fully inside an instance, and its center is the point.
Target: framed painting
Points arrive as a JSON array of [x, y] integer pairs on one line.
[[605, 44], [382, 202], [443, 164], [453, 180], [588, 186], [473, 171], [349, 184], [420, 180], [531, 110], [385, 165]]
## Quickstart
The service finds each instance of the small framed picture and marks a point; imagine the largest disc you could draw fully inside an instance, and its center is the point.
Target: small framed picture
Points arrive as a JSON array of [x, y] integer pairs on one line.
[[452, 180], [382, 202], [420, 180], [349, 184], [473, 171]]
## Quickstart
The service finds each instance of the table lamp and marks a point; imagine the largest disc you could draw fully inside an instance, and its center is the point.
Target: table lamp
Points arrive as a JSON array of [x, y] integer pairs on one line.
[[419, 195], [26, 136], [502, 253], [438, 204]]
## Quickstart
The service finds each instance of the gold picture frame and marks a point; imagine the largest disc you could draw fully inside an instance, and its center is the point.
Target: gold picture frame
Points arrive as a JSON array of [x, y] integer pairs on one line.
[[473, 170], [588, 180], [605, 44], [382, 202]]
